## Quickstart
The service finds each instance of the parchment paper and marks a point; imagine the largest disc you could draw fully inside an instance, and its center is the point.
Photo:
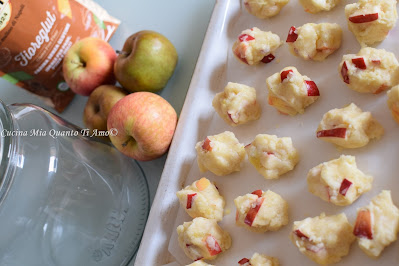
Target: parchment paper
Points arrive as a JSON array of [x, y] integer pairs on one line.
[[378, 158]]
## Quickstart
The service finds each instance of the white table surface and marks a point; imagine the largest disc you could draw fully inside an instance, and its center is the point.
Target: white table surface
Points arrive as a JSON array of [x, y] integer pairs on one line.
[[184, 23]]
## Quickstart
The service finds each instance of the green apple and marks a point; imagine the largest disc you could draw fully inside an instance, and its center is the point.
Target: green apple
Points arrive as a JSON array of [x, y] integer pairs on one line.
[[146, 62], [100, 102]]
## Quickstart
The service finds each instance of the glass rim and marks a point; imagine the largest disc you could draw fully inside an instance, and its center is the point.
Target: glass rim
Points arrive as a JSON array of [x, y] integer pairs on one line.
[[7, 148]]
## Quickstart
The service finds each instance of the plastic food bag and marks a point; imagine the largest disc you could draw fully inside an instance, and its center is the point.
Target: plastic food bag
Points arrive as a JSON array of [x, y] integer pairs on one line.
[[36, 34]]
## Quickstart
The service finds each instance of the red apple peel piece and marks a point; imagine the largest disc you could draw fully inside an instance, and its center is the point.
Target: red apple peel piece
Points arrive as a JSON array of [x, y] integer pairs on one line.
[[207, 145], [200, 258], [363, 228], [249, 219], [284, 74], [243, 261], [359, 63], [335, 132], [258, 192], [212, 245], [231, 118], [381, 89], [190, 200], [312, 88], [245, 38], [299, 234], [344, 73], [268, 58], [345, 185], [364, 18], [292, 35], [238, 55], [376, 61]]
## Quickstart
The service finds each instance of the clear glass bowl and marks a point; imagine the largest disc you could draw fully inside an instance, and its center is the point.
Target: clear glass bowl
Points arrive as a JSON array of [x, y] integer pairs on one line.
[[65, 199]]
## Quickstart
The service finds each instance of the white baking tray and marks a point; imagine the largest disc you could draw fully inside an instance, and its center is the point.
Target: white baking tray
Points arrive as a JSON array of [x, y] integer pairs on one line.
[[215, 67]]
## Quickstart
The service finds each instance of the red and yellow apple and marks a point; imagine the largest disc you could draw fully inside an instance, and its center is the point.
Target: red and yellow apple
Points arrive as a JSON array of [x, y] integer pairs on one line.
[[145, 124], [99, 104], [88, 64]]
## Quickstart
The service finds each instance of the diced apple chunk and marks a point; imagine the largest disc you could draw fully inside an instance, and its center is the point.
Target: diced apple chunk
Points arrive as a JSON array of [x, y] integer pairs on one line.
[[212, 245], [284, 74], [190, 200], [359, 63], [335, 132], [344, 73], [363, 227], [312, 88], [245, 38], [202, 184], [364, 18], [258, 192], [207, 145], [345, 185], [292, 35], [243, 261], [299, 234], [268, 58], [249, 219]]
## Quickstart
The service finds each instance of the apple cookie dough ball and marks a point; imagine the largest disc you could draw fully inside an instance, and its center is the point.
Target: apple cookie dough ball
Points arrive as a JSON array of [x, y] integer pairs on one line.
[[272, 156], [314, 41], [370, 71], [371, 20], [393, 102], [221, 154], [323, 239], [259, 260], [199, 263], [203, 239], [202, 199], [254, 46], [261, 211], [315, 6], [290, 92], [349, 127], [338, 181], [237, 104], [377, 224], [264, 8]]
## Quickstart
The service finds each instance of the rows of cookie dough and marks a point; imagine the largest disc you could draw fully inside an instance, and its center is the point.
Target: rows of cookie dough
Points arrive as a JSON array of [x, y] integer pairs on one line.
[[369, 20], [324, 239], [348, 127], [369, 71], [203, 239]]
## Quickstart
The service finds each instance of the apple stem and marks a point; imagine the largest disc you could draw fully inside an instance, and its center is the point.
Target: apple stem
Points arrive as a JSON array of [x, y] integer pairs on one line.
[[121, 52], [78, 63], [124, 144]]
